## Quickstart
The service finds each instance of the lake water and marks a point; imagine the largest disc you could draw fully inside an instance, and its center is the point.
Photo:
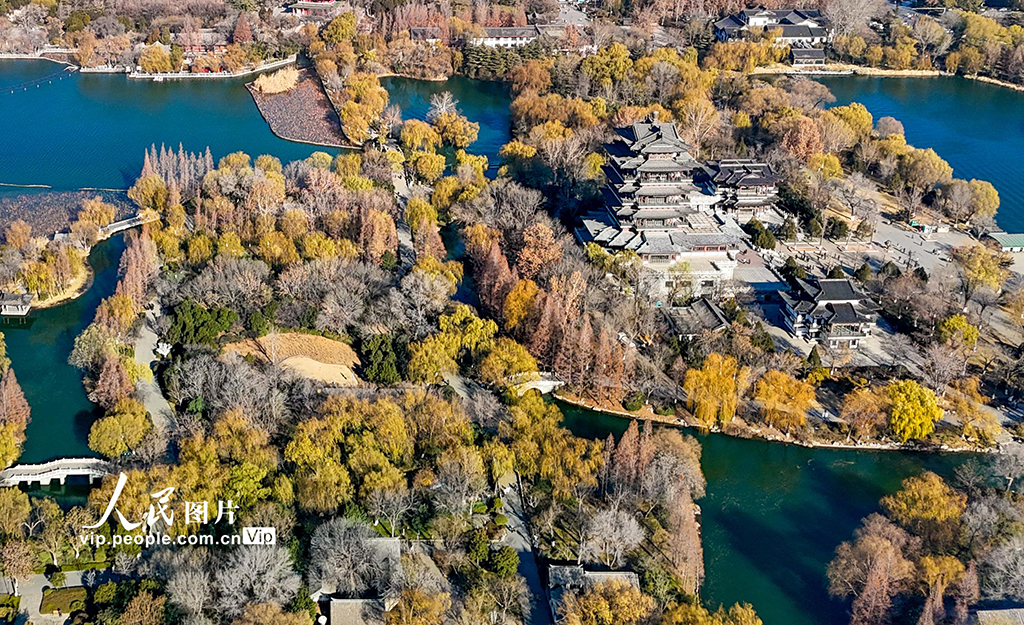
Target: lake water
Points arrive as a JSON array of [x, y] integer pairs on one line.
[[977, 127], [90, 130], [774, 515], [39, 347]]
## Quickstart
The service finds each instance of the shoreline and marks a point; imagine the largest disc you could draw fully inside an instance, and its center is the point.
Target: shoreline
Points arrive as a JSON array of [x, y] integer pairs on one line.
[[755, 434], [846, 69], [54, 302]]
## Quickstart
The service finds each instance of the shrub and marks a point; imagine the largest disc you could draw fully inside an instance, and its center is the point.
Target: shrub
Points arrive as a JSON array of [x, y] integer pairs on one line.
[[500, 520], [504, 561], [497, 504], [280, 81], [479, 508], [634, 402]]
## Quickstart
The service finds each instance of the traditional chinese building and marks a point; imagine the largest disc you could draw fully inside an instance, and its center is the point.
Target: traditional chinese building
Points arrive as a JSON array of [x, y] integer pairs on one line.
[[744, 188], [832, 312], [658, 203], [801, 28], [15, 304], [507, 36], [314, 8]]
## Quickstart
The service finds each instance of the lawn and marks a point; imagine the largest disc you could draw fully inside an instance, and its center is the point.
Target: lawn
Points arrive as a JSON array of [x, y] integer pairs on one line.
[[64, 600]]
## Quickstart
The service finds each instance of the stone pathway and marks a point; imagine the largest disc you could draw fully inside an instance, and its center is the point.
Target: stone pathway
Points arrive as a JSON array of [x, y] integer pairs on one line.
[[149, 392], [519, 539]]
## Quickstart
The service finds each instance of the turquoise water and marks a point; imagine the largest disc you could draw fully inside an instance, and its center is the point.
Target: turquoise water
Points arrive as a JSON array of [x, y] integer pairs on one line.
[[90, 130], [486, 103], [774, 515], [39, 347], [977, 127]]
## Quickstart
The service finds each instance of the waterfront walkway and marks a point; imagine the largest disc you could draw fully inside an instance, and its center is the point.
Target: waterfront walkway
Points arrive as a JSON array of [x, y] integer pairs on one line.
[[60, 470], [213, 75]]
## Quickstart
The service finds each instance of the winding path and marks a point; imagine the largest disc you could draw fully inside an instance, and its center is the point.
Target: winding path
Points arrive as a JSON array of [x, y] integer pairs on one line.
[[148, 391]]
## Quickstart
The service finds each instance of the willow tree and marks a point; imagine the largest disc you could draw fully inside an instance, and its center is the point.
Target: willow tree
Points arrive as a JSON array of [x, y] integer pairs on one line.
[[714, 390]]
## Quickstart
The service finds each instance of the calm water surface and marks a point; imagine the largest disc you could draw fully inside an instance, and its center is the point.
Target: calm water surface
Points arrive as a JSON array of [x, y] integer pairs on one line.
[[978, 128], [774, 514], [90, 130], [39, 347]]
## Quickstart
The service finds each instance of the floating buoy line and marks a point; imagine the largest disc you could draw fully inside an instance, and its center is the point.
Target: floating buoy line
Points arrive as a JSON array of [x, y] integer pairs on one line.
[[30, 84]]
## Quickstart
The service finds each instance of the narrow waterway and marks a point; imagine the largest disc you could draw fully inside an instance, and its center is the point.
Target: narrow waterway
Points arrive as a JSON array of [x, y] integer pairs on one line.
[[977, 127], [774, 515], [39, 347]]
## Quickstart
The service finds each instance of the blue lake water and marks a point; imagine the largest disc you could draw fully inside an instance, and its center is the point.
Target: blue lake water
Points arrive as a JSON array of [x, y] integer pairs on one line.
[[977, 127]]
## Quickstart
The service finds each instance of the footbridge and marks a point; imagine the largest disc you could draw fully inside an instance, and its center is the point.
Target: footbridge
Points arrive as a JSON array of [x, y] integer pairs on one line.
[[545, 382], [110, 230], [59, 470]]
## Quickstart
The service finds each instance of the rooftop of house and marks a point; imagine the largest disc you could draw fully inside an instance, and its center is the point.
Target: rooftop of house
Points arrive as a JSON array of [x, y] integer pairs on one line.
[[741, 172], [1006, 616], [807, 54], [355, 612], [696, 232], [16, 299], [517, 32], [1006, 239], [424, 32], [696, 317], [778, 16], [836, 300]]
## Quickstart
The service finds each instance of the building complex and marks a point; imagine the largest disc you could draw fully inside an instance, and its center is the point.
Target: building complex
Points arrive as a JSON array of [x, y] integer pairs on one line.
[[677, 214], [800, 28]]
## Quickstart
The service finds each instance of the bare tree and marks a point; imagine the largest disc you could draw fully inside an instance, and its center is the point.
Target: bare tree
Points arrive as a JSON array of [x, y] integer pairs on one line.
[[390, 504], [1002, 571], [343, 559], [460, 480], [190, 590], [251, 575], [943, 363], [609, 535], [1009, 464], [849, 16], [441, 103]]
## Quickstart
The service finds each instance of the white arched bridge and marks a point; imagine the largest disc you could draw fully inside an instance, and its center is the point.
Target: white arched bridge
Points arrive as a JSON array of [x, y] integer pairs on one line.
[[110, 230], [544, 382], [59, 470]]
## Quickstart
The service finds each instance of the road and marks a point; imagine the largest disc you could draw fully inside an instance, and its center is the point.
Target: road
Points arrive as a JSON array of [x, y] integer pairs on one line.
[[519, 539]]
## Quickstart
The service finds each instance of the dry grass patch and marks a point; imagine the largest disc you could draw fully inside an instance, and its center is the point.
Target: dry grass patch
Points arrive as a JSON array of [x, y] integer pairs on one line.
[[308, 355], [280, 81]]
